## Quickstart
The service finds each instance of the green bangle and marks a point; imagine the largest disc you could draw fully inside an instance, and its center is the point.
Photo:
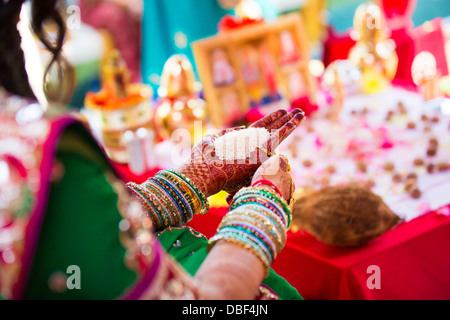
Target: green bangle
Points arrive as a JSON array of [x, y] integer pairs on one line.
[[174, 209], [152, 206], [249, 197], [203, 199], [177, 184], [263, 203], [255, 191], [249, 215], [145, 202], [171, 190], [269, 194]]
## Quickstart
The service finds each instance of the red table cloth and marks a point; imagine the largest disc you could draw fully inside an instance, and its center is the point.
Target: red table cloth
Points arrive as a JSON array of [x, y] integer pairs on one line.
[[412, 258]]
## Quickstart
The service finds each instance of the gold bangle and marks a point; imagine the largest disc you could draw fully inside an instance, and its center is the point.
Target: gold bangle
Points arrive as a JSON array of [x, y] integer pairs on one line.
[[291, 197]]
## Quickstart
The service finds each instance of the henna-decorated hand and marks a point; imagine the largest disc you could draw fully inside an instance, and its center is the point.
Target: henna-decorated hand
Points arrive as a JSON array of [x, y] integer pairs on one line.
[[211, 174], [276, 171]]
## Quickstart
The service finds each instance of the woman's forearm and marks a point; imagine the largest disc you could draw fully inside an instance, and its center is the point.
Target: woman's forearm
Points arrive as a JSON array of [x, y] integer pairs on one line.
[[230, 272], [245, 245]]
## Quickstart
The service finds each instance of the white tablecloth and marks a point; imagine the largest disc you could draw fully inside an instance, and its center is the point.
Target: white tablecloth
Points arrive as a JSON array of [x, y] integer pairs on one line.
[[330, 144]]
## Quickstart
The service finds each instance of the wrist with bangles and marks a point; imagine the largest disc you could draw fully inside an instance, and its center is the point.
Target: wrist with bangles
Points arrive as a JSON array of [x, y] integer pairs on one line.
[[270, 187], [257, 221], [267, 183], [170, 198]]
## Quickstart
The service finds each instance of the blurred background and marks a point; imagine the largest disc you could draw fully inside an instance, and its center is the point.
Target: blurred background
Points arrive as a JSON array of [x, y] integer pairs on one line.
[[170, 26]]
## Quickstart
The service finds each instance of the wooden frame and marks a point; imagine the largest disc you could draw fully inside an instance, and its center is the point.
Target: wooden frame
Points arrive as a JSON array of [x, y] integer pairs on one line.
[[257, 36]]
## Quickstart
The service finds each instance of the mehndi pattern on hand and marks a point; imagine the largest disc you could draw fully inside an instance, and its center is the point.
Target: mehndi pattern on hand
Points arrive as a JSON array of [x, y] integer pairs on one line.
[[212, 175]]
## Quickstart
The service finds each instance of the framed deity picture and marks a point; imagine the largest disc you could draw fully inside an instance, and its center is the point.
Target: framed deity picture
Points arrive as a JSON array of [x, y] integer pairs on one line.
[[261, 65]]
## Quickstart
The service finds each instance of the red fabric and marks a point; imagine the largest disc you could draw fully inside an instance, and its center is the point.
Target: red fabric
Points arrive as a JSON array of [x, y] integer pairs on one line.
[[126, 175], [229, 22], [306, 105], [409, 43], [336, 46], [412, 42], [269, 183], [398, 13], [412, 258]]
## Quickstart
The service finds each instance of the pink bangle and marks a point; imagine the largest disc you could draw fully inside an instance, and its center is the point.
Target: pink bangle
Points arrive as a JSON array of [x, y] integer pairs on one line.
[[269, 183]]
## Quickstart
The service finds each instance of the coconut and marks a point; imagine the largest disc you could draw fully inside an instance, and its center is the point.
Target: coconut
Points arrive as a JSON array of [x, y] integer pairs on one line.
[[348, 215]]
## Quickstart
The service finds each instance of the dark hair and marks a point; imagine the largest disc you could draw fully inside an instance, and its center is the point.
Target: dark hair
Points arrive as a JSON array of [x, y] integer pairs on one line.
[[13, 76]]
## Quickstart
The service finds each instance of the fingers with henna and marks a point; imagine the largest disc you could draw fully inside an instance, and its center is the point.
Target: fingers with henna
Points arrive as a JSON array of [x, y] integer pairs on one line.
[[284, 119], [282, 133], [268, 119]]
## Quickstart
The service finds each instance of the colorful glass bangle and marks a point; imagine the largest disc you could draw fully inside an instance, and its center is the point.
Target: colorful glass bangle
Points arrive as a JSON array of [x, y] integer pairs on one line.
[[154, 208], [248, 226], [169, 201], [253, 228], [197, 190], [186, 188], [263, 203], [268, 183], [269, 194], [261, 197], [175, 206], [262, 218], [272, 230], [145, 202], [156, 200], [204, 200], [185, 207], [245, 242], [188, 194], [266, 216], [158, 197], [263, 240], [275, 223], [262, 200], [161, 209], [273, 235], [248, 192]]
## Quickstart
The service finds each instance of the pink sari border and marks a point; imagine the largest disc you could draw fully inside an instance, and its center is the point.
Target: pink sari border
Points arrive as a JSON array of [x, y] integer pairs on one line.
[[139, 289], [38, 215]]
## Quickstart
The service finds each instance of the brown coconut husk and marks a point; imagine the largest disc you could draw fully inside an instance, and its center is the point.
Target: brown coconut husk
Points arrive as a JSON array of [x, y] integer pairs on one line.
[[348, 215]]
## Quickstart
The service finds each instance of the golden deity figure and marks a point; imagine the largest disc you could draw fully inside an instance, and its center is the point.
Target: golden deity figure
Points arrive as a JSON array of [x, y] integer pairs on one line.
[[180, 104], [374, 52], [119, 106], [115, 75]]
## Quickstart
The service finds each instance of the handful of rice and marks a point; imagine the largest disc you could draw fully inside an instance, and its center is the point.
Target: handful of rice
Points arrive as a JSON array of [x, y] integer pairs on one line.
[[239, 144]]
